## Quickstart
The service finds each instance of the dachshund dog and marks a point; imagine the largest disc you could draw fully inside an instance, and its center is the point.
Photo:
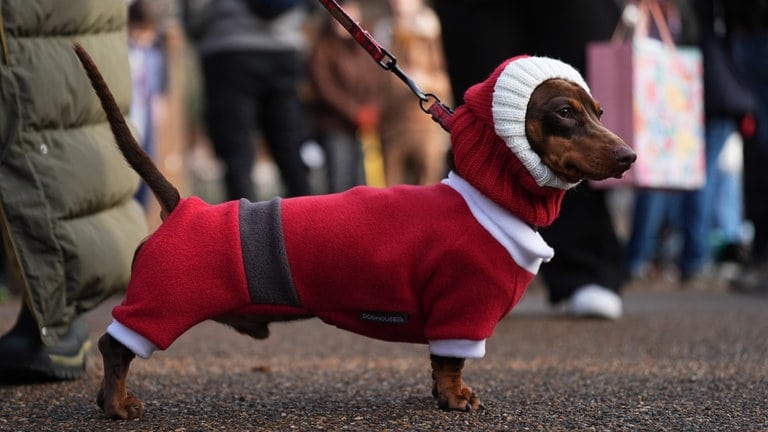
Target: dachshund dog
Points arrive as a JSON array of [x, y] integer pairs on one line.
[[439, 265]]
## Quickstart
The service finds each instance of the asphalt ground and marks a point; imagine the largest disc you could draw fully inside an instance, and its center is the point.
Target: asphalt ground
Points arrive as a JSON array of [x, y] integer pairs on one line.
[[679, 360]]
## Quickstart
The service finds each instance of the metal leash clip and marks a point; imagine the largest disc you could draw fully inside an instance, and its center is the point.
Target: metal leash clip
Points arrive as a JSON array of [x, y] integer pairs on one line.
[[439, 112]]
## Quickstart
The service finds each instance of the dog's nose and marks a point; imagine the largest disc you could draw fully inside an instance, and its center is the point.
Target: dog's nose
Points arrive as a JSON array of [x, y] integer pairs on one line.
[[625, 155]]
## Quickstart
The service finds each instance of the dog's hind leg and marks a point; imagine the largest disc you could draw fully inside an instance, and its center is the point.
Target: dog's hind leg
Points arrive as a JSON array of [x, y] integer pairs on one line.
[[449, 388], [114, 399]]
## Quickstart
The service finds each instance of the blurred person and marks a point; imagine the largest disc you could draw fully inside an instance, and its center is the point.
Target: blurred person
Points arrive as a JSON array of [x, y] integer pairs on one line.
[[414, 148], [147, 75], [252, 68], [728, 225], [697, 216], [747, 24], [69, 219], [588, 269], [727, 100], [347, 86]]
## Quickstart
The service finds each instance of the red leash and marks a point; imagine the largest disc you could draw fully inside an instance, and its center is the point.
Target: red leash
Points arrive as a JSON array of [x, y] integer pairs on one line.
[[439, 112]]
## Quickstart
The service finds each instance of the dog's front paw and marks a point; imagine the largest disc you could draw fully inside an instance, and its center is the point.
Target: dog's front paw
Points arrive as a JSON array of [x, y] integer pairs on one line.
[[127, 408], [449, 388], [460, 398]]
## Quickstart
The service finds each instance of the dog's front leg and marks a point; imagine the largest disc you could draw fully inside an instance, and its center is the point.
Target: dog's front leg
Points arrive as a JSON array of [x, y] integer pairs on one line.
[[114, 399], [449, 388]]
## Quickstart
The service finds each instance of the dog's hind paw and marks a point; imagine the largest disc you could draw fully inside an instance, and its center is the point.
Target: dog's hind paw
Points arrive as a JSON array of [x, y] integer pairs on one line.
[[117, 402]]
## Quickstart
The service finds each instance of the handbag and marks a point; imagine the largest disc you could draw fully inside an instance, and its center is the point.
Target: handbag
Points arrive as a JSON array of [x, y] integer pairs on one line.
[[652, 94]]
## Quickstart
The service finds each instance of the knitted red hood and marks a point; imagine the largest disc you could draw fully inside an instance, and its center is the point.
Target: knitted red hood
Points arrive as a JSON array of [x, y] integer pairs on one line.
[[486, 161]]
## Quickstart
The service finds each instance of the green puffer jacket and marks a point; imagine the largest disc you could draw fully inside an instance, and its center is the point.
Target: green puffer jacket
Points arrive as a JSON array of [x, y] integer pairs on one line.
[[68, 217]]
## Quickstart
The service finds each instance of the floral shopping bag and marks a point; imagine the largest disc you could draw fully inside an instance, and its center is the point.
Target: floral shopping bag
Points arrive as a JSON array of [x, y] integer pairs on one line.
[[652, 95]]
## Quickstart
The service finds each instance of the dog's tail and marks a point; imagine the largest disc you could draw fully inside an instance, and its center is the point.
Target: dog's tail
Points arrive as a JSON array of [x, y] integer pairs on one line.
[[137, 158]]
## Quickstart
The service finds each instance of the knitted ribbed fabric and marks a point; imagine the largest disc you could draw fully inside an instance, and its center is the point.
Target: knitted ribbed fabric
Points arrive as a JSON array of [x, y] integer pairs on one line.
[[490, 148]]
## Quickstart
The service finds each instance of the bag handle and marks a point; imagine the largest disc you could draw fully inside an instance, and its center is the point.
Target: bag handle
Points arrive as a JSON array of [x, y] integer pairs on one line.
[[659, 19], [635, 16]]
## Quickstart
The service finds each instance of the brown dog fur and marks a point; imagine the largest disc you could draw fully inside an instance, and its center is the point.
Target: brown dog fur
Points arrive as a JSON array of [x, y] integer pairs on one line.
[[563, 126]]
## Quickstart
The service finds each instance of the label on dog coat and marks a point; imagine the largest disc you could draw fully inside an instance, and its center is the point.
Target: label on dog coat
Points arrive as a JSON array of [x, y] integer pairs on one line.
[[385, 317]]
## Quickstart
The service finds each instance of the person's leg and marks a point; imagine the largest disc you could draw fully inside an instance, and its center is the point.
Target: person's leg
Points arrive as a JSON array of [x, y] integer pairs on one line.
[[282, 118], [24, 358], [727, 206], [697, 204], [647, 220], [229, 114], [695, 249], [344, 160], [731, 250], [587, 250]]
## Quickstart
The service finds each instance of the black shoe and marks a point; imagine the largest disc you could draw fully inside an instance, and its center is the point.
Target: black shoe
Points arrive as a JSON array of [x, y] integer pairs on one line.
[[25, 359], [734, 252]]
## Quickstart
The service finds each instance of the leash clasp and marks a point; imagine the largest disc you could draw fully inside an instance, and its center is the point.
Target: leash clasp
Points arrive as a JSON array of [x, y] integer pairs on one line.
[[439, 112]]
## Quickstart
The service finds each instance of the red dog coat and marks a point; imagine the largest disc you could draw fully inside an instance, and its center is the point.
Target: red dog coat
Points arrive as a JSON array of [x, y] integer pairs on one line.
[[439, 264], [408, 264]]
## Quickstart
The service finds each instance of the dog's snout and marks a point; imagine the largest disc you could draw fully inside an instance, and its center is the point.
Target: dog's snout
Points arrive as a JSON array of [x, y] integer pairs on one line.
[[625, 155]]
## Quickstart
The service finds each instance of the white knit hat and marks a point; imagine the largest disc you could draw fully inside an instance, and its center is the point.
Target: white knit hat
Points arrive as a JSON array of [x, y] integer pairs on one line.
[[511, 94]]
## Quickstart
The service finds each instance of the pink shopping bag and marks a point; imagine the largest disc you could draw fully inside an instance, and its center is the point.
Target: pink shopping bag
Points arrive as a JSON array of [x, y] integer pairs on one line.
[[652, 95]]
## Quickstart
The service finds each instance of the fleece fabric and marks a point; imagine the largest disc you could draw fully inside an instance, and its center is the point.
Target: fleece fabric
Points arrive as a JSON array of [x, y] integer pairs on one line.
[[407, 264]]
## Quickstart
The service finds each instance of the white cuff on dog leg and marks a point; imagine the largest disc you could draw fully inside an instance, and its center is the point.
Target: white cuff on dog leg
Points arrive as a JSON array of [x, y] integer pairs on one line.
[[461, 348], [135, 342]]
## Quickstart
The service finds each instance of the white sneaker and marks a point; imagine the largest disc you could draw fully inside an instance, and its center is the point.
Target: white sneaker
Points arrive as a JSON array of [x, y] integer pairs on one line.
[[595, 301]]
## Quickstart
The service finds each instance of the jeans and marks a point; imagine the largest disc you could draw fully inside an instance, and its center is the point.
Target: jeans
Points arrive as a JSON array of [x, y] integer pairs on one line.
[[725, 197], [688, 213]]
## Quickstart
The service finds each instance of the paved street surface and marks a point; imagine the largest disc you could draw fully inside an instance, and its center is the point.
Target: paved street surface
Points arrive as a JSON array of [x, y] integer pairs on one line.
[[677, 361]]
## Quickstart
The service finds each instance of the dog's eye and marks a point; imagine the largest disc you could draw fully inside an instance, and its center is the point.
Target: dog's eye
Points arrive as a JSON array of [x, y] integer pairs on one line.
[[565, 112]]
